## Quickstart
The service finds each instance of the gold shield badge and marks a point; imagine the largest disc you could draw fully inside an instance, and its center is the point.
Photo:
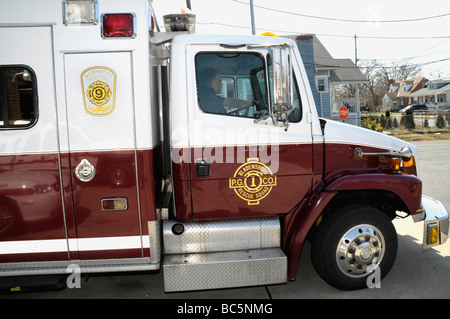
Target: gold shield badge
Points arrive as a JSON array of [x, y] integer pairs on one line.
[[99, 90], [253, 181]]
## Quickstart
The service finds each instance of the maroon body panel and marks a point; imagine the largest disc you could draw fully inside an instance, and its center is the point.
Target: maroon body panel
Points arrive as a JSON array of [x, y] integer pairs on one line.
[[339, 158], [31, 201], [215, 198], [30, 197], [344, 173], [115, 177]]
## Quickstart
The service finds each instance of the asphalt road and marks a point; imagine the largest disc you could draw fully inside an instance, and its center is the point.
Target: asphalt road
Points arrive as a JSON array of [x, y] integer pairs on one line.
[[417, 273]]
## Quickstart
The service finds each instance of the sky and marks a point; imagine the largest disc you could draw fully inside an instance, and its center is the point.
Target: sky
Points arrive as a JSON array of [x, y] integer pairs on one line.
[[419, 35]]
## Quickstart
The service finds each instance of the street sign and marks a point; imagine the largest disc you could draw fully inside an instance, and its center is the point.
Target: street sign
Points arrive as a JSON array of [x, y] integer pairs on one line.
[[343, 112]]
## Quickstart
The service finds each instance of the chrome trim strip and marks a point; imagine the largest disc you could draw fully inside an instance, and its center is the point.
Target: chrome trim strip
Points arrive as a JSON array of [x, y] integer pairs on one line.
[[86, 266], [154, 233]]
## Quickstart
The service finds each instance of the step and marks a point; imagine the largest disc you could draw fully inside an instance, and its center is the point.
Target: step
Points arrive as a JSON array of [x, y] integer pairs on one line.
[[32, 284], [217, 270]]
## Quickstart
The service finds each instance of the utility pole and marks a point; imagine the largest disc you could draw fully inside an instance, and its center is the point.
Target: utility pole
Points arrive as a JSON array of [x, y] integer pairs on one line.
[[358, 102], [252, 15]]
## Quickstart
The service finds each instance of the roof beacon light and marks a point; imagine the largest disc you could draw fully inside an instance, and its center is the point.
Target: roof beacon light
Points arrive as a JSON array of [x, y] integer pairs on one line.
[[118, 25], [180, 22], [80, 12]]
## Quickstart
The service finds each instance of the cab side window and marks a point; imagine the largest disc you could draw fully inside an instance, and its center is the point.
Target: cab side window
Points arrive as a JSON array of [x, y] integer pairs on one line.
[[18, 97], [232, 84]]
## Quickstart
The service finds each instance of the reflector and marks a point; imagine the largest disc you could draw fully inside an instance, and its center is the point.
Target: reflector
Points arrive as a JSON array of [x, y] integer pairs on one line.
[[116, 203], [409, 163], [118, 25], [394, 163], [433, 234]]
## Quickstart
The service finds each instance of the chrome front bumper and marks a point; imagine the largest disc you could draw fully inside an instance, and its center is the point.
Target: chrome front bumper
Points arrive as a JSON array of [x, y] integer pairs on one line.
[[436, 222]]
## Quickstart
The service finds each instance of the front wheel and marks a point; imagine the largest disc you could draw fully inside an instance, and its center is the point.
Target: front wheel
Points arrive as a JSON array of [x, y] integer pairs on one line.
[[349, 244]]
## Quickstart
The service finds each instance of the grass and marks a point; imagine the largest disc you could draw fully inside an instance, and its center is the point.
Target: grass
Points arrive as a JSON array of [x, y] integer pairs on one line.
[[418, 134]]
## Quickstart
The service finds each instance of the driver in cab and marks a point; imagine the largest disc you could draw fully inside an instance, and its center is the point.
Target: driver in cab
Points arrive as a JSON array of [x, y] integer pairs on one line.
[[210, 85]]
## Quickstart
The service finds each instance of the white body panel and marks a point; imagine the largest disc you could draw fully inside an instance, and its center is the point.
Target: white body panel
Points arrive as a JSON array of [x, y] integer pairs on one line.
[[42, 137], [88, 131], [340, 133], [194, 128], [56, 44]]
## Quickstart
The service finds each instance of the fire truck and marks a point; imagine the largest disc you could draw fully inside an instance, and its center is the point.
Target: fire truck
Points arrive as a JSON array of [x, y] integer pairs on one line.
[[125, 148]]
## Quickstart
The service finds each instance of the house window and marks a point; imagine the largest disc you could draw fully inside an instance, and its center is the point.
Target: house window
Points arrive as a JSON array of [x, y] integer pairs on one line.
[[18, 97], [392, 89], [321, 83]]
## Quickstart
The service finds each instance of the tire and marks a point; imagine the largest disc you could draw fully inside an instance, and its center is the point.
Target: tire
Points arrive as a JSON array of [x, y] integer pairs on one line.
[[8, 218], [350, 242]]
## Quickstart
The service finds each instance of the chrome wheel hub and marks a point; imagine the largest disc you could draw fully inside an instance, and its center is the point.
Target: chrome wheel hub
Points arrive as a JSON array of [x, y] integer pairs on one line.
[[360, 247]]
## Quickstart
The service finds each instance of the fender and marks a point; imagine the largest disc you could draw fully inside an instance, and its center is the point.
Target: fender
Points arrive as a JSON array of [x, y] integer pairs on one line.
[[299, 221], [407, 187], [297, 224]]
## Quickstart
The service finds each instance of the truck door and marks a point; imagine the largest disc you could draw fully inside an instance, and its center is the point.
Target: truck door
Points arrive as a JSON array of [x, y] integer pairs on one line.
[[32, 221], [243, 166], [102, 155]]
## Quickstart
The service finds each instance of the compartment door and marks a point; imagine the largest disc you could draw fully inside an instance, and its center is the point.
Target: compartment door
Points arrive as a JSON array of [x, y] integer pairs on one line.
[[101, 121]]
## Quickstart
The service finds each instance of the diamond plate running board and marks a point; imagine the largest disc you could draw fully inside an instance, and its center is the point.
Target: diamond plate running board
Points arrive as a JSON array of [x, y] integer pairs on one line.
[[216, 270]]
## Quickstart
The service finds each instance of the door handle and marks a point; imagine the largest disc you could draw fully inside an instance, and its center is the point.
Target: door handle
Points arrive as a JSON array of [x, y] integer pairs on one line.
[[85, 171], [203, 168]]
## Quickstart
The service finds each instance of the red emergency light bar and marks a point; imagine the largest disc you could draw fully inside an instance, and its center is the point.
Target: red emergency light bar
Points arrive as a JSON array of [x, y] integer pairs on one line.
[[118, 25]]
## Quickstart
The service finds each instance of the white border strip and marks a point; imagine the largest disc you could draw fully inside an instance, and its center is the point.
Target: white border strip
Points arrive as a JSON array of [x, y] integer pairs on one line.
[[82, 244]]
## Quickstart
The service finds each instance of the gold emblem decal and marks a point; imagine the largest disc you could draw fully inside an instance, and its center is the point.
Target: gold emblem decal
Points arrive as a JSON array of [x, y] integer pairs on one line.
[[99, 93], [99, 90], [253, 181]]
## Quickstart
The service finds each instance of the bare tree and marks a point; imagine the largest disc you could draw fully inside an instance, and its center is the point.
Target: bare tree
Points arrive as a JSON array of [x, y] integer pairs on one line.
[[373, 90], [397, 71], [379, 75]]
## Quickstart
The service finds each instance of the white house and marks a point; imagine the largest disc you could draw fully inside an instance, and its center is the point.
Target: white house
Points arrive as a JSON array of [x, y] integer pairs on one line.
[[436, 94]]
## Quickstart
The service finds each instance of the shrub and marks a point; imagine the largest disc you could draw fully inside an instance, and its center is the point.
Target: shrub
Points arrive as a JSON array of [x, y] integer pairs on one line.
[[383, 121], [440, 122], [389, 122], [395, 123], [372, 123], [408, 120]]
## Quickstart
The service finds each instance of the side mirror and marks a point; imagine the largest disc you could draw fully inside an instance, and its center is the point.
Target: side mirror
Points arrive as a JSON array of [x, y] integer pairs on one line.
[[282, 81]]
